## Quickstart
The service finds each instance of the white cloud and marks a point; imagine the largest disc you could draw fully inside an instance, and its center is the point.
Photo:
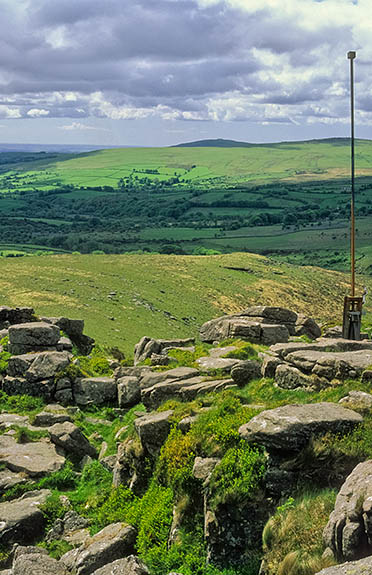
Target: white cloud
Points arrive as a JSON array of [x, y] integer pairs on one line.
[[77, 126], [9, 112], [37, 113]]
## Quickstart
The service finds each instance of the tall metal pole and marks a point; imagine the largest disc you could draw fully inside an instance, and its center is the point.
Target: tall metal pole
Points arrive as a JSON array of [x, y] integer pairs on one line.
[[351, 56]]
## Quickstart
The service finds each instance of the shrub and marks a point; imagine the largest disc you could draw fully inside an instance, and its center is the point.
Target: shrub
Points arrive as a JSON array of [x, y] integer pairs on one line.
[[117, 507], [53, 509], [217, 430], [153, 518], [174, 467], [65, 478], [238, 475]]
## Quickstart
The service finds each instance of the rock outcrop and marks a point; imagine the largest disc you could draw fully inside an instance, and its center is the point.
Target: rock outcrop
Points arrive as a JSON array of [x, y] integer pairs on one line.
[[349, 531], [21, 520], [128, 566], [114, 542], [289, 428], [315, 365], [71, 439], [148, 346], [260, 324], [361, 567], [34, 459]]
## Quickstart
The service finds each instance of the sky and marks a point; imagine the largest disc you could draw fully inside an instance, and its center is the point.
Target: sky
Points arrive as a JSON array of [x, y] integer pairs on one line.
[[160, 72]]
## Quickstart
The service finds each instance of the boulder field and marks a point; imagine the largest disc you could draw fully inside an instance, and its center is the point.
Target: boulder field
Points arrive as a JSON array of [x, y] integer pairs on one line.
[[167, 399]]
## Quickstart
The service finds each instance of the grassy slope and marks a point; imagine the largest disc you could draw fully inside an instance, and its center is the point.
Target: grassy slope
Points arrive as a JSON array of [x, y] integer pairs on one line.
[[163, 296]]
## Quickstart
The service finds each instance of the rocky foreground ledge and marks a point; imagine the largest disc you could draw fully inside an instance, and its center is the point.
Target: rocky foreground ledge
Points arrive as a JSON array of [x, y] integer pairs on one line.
[[42, 362]]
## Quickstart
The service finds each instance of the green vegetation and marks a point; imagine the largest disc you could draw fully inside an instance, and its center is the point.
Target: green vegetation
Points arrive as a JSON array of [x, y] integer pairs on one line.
[[292, 538], [21, 404], [287, 199], [123, 298]]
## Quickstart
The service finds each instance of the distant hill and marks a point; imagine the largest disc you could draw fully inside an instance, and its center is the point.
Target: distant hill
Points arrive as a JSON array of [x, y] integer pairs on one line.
[[221, 143]]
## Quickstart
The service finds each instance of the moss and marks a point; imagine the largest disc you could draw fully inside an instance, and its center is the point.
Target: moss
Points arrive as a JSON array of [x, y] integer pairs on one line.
[[56, 548], [71, 372], [4, 360]]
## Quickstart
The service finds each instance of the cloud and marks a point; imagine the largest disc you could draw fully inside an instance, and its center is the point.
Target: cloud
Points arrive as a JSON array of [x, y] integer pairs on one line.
[[77, 126], [261, 61], [37, 113]]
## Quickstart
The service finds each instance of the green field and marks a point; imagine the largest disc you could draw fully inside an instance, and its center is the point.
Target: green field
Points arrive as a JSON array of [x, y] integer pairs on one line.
[[294, 161], [164, 296], [288, 199]]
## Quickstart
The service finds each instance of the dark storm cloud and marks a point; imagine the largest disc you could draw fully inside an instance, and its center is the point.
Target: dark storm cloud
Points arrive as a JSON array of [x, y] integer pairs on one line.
[[166, 55]]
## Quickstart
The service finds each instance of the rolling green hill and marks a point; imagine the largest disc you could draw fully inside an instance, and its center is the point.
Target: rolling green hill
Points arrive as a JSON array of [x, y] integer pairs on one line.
[[289, 199], [125, 297]]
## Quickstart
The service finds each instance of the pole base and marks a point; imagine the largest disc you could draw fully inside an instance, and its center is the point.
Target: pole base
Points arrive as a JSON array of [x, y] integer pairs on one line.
[[352, 318]]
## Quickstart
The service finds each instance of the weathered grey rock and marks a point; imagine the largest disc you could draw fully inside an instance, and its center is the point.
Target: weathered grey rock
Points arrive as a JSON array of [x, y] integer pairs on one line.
[[131, 371], [11, 316], [111, 543], [153, 429], [36, 459], [68, 436], [204, 466], [246, 371], [271, 334], [269, 365], [222, 351], [95, 391], [290, 427], [148, 346], [21, 386], [9, 479], [260, 324], [52, 414], [21, 520], [185, 424], [151, 378], [349, 530], [333, 332], [128, 566], [332, 365], [71, 527], [273, 315], [322, 345], [357, 400], [65, 344], [47, 364], [74, 329], [361, 567], [183, 390], [129, 391], [36, 336], [289, 377], [307, 326], [19, 550], [9, 419], [109, 462], [38, 564], [213, 363]]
